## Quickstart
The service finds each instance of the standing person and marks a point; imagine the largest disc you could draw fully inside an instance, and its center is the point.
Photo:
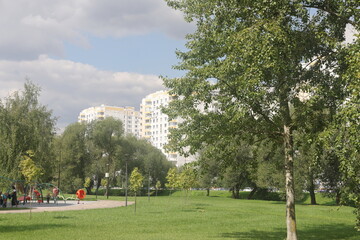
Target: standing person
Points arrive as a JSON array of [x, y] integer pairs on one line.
[[48, 198], [55, 194], [14, 197], [4, 197], [1, 199]]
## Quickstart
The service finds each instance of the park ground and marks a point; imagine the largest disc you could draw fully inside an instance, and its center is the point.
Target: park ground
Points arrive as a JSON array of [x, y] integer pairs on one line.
[[177, 217]]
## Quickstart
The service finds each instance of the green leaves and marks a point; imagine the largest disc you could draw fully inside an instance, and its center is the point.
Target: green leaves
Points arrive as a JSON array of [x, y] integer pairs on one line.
[[136, 180], [25, 124], [29, 170], [172, 179], [253, 60], [187, 177]]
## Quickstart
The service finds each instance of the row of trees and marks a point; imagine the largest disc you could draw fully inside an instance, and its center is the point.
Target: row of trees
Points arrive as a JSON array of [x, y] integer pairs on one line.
[[88, 151], [280, 76], [82, 154]]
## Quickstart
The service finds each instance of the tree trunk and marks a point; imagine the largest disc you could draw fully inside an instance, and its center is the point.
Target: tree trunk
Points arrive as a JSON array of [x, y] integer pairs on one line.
[[88, 190], [338, 197], [236, 192], [233, 193], [289, 184], [97, 186], [312, 191], [252, 193]]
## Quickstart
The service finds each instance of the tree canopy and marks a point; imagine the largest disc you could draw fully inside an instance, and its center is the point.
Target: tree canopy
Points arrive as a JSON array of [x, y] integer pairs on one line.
[[87, 151], [253, 69], [26, 125]]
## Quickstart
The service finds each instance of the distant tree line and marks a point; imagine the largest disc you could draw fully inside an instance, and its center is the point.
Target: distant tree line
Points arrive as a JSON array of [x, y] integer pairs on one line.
[[78, 157]]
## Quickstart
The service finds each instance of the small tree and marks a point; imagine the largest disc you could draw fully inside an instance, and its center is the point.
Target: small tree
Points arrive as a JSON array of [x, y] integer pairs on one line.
[[136, 182], [29, 170], [104, 184], [88, 184], [172, 178], [157, 186], [187, 178]]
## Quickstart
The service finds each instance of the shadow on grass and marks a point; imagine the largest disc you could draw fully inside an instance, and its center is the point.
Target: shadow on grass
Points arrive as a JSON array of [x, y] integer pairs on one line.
[[319, 199], [63, 217], [321, 232], [15, 208], [201, 205], [30, 227], [329, 203], [189, 210]]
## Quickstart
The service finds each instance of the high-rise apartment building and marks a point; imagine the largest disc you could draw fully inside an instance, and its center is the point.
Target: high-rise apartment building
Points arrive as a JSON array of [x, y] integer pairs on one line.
[[129, 117], [155, 125]]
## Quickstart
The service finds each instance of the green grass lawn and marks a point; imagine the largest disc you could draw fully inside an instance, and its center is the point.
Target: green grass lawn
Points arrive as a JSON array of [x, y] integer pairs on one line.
[[200, 217]]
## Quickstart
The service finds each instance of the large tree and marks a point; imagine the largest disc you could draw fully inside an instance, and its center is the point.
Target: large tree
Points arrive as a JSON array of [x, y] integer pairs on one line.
[[233, 161], [26, 125], [141, 154], [74, 157], [106, 135], [255, 60], [209, 169]]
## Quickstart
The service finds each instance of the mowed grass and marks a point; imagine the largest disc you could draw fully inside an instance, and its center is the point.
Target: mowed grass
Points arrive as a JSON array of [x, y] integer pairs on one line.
[[174, 217]]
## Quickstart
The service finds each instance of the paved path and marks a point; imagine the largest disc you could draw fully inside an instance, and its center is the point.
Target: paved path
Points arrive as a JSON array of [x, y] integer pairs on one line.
[[68, 206]]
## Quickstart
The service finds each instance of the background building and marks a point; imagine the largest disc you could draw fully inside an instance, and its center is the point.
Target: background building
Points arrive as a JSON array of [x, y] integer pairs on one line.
[[128, 115], [155, 125]]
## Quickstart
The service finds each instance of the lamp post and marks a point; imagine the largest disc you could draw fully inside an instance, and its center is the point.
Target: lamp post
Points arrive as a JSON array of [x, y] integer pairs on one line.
[[107, 175], [126, 182], [59, 163], [149, 179]]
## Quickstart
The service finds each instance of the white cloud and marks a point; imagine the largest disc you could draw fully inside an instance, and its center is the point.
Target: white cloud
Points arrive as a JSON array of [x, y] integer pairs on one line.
[[32, 28], [69, 87]]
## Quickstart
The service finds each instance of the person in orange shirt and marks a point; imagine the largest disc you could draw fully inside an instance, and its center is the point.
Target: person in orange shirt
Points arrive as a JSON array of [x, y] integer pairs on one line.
[[80, 194]]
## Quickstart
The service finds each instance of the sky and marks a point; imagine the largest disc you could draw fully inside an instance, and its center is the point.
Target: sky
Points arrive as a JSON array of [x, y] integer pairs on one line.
[[85, 53]]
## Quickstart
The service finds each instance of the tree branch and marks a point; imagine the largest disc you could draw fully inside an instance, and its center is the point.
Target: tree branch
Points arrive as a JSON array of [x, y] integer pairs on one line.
[[325, 9]]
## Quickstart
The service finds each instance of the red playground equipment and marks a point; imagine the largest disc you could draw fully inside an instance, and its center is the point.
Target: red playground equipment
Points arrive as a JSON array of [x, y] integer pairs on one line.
[[80, 194]]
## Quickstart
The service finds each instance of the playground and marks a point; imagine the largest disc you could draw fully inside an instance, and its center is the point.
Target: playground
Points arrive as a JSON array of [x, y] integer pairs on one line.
[[64, 206], [20, 197]]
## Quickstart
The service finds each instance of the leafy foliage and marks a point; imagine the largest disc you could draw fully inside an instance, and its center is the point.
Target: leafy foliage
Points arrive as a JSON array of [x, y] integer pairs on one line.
[[264, 65], [75, 159], [172, 179], [136, 180], [25, 125], [187, 178], [28, 168], [343, 136]]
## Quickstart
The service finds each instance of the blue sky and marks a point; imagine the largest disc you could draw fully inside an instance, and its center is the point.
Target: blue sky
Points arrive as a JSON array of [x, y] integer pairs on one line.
[[153, 53], [84, 53]]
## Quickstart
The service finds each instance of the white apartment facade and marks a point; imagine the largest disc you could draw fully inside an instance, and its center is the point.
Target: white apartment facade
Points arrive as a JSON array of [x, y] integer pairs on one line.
[[155, 125], [129, 117]]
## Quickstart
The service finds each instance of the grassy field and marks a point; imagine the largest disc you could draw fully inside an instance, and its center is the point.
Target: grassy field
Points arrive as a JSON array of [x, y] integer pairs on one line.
[[174, 217]]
